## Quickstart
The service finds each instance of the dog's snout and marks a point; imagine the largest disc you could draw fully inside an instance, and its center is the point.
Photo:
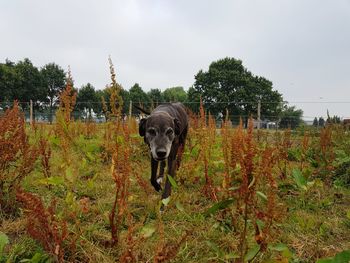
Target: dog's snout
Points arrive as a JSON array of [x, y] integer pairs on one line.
[[161, 153]]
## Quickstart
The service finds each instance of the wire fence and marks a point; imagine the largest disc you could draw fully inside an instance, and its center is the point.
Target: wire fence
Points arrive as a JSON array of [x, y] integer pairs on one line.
[[43, 113]]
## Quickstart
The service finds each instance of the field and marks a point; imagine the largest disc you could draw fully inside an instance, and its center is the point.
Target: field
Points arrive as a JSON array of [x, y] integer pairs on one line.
[[80, 192]]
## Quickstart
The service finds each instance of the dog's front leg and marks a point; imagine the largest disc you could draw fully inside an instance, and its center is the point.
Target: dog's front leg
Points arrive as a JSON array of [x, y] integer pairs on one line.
[[154, 168], [161, 172], [171, 172]]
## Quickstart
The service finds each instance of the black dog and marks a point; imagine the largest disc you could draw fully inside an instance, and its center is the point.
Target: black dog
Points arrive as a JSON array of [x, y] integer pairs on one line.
[[165, 132]]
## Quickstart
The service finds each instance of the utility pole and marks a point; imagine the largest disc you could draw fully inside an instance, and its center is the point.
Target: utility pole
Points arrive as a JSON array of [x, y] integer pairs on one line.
[[259, 108]]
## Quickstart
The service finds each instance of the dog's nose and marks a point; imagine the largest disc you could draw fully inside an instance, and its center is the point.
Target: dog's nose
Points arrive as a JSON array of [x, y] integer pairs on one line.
[[161, 154]]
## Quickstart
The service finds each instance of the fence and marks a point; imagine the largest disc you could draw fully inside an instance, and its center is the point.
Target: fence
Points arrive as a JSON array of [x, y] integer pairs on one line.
[[42, 113]]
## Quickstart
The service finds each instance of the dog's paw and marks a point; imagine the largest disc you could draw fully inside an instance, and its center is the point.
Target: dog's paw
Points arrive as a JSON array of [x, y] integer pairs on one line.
[[160, 180], [156, 186]]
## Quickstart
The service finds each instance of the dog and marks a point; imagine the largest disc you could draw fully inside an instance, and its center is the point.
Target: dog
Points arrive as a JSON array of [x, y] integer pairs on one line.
[[165, 131]]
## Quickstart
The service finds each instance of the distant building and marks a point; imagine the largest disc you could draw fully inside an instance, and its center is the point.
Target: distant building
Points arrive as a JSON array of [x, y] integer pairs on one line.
[[265, 124]]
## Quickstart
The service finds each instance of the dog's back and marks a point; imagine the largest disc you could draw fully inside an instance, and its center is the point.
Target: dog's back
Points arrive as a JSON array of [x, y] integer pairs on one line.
[[175, 110]]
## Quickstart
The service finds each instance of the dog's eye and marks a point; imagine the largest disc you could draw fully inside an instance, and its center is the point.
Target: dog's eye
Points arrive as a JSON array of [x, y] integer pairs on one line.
[[169, 132], [152, 132]]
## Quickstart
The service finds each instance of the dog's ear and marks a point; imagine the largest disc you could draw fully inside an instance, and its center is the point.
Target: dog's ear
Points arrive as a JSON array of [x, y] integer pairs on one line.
[[177, 124], [142, 127]]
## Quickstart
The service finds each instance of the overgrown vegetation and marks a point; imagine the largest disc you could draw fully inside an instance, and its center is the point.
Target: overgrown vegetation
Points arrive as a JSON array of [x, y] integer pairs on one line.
[[79, 192]]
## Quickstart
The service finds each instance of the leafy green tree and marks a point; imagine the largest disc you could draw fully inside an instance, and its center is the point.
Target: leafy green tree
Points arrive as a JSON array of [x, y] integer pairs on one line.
[[156, 96], [315, 123], [87, 99], [290, 117], [333, 120], [193, 101], [126, 99], [229, 85], [27, 84], [139, 97], [175, 94], [8, 79], [53, 79]]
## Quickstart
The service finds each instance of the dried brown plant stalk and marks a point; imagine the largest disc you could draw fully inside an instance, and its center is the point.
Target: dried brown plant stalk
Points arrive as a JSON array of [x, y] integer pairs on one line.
[[17, 158], [63, 116], [121, 175], [43, 224], [45, 155]]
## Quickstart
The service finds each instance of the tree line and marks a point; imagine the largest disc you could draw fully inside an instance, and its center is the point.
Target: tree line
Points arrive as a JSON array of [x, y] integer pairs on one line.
[[226, 87]]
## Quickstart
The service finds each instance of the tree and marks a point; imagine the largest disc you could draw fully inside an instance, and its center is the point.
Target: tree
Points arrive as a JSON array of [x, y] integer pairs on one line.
[[315, 123], [126, 99], [175, 94], [321, 122], [53, 80], [229, 85], [193, 99], [27, 83], [332, 120], [8, 80], [139, 97], [87, 99], [290, 117], [156, 96]]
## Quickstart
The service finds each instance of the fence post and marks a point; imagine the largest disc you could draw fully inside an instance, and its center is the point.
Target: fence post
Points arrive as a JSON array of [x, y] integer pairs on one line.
[[259, 107], [130, 109], [31, 114]]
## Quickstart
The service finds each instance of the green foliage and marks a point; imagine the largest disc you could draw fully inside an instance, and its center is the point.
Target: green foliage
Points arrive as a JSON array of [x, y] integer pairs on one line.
[[252, 252], [139, 97], [218, 206], [4, 240], [175, 94], [156, 96], [86, 100], [53, 81], [227, 81], [342, 165], [290, 117], [342, 257]]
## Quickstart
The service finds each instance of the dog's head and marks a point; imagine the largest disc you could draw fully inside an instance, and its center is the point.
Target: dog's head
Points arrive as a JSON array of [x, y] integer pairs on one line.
[[159, 131]]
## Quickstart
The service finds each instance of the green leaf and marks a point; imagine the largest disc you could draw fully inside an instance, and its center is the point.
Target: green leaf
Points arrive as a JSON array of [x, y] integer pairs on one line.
[[252, 252], [325, 260], [214, 247], [172, 182], [4, 240], [299, 179], [53, 180], [147, 231], [179, 206], [166, 201], [218, 206], [278, 247], [261, 195], [69, 174], [348, 214], [342, 257], [231, 255]]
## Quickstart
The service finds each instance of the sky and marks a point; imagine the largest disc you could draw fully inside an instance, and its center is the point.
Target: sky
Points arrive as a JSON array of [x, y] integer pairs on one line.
[[302, 46]]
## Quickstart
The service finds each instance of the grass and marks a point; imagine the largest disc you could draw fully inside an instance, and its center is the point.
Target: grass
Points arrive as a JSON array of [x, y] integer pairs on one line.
[[312, 223]]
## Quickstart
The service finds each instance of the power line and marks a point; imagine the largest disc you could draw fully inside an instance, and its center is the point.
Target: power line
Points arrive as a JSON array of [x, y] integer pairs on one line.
[[211, 102]]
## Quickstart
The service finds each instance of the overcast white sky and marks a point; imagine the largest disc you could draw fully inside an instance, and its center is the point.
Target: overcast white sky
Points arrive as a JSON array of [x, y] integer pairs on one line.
[[302, 46]]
